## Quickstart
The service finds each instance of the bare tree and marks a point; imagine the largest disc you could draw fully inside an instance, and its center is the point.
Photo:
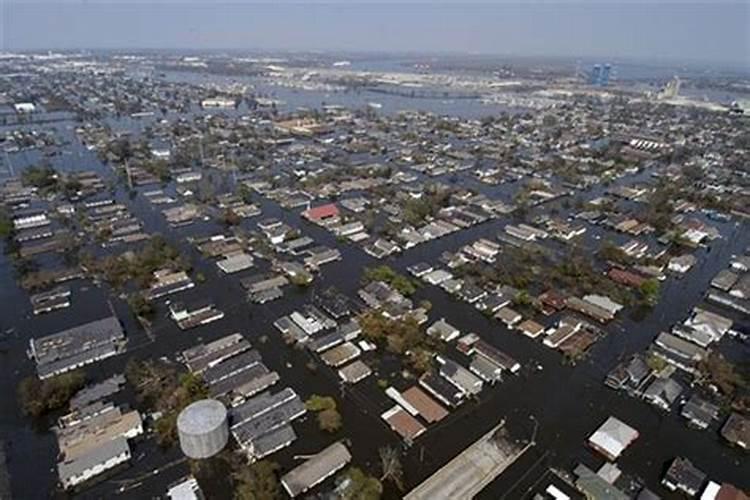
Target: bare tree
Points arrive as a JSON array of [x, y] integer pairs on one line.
[[391, 465]]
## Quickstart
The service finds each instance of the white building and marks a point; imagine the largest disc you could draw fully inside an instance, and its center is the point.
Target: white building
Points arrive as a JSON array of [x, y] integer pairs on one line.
[[93, 463], [188, 177], [187, 489], [218, 103], [161, 154], [682, 263], [24, 107], [29, 221]]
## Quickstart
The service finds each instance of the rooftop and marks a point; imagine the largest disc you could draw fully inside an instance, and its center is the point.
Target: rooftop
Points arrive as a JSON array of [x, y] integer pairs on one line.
[[612, 438], [316, 469]]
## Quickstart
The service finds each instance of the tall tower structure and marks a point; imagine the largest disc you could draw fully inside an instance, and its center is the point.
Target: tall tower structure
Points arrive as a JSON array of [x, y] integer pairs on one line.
[[596, 72], [604, 75]]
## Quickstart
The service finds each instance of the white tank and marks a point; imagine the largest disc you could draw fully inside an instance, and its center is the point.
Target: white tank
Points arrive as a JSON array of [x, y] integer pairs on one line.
[[203, 428]]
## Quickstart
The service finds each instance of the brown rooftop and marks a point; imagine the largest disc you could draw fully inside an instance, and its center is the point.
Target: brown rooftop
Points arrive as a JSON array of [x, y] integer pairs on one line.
[[430, 410], [404, 424]]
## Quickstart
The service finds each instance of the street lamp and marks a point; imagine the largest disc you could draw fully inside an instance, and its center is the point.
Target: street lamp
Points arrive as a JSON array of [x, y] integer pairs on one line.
[[533, 433]]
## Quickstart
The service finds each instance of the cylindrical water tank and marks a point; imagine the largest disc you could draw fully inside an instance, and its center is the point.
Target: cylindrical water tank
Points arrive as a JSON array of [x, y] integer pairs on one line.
[[203, 428]]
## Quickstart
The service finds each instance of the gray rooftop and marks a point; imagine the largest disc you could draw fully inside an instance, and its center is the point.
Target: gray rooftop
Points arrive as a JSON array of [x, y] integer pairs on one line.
[[316, 469], [98, 455], [94, 392], [74, 342]]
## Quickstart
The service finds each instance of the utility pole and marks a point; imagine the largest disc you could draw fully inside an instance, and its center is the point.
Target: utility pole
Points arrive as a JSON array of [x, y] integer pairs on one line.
[[10, 164], [127, 172], [536, 427], [200, 146]]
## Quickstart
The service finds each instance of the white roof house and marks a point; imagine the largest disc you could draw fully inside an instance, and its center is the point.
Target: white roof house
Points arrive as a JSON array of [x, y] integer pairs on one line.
[[24, 107], [437, 276], [235, 263], [604, 302], [682, 263], [709, 323], [187, 489], [612, 438], [443, 330]]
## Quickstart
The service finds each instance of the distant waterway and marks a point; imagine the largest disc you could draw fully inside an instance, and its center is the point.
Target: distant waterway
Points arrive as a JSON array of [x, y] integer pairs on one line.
[[387, 103]]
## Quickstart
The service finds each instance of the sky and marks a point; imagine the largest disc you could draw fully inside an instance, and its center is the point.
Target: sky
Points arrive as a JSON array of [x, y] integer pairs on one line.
[[710, 31]]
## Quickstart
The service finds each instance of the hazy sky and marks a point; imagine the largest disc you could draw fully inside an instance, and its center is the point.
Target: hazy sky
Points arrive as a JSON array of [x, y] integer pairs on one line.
[[709, 31]]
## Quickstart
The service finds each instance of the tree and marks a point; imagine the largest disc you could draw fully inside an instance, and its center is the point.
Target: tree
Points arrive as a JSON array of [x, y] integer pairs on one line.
[[329, 420], [399, 282], [38, 397], [160, 387], [6, 224], [611, 252], [361, 486], [656, 363], [420, 359], [166, 430], [549, 120], [71, 188], [390, 463], [215, 474], [650, 291], [121, 148], [257, 481], [230, 218], [721, 372], [319, 403], [522, 298], [43, 177], [140, 306]]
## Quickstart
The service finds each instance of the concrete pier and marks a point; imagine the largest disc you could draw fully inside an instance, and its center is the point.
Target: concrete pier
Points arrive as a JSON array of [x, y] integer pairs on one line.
[[471, 470]]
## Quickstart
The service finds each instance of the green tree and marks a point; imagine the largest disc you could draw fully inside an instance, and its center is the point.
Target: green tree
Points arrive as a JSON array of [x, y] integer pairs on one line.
[[361, 486], [611, 252], [329, 420], [650, 291], [399, 282], [257, 481], [160, 387], [399, 336], [140, 306], [43, 177], [721, 372], [38, 397], [549, 120], [319, 403], [6, 224], [230, 218]]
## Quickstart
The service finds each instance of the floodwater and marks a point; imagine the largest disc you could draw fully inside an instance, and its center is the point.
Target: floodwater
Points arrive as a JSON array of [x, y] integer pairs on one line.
[[293, 98], [559, 403]]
